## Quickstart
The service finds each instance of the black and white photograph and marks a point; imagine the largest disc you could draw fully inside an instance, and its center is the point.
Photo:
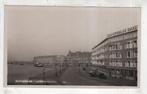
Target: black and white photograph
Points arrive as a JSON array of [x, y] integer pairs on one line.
[[72, 45]]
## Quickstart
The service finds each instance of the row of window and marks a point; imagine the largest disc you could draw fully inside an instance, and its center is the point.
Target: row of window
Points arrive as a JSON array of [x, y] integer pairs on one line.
[[94, 62], [123, 37], [115, 55], [100, 63], [131, 44], [128, 73], [132, 54], [118, 38], [129, 54], [117, 63], [117, 46], [99, 56], [115, 72], [130, 64], [130, 35], [127, 64]]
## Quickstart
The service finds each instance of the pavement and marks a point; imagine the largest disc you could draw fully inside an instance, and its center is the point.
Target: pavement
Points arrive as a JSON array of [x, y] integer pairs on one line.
[[109, 81], [72, 76]]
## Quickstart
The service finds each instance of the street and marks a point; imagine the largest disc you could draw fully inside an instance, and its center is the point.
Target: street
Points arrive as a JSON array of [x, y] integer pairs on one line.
[[73, 76], [28, 74]]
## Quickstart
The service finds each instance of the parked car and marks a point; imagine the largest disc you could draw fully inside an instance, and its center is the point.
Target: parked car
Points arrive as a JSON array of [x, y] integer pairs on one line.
[[102, 76], [21, 63], [92, 73], [38, 65]]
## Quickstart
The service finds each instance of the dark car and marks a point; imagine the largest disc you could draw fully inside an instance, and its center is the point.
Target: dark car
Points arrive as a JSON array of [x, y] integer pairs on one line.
[[102, 76], [21, 63], [38, 65], [92, 73]]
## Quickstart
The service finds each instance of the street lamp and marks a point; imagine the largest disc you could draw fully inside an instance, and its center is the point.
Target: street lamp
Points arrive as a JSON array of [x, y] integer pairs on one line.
[[56, 69], [44, 72]]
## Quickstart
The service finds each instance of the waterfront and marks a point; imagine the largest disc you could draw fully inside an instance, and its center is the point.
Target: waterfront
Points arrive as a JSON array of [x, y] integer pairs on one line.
[[28, 74]]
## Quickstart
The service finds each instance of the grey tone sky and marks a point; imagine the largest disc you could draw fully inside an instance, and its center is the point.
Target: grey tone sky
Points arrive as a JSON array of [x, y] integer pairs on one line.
[[33, 31]]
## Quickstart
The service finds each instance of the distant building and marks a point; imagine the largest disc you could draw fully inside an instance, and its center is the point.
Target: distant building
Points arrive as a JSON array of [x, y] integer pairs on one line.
[[60, 58], [116, 56], [78, 57], [49, 60]]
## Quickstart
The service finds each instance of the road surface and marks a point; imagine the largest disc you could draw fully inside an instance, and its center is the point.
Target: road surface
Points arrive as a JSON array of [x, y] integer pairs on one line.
[[51, 75]]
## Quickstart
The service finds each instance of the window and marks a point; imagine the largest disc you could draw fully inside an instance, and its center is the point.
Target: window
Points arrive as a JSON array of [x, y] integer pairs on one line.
[[112, 63], [118, 55], [120, 38], [133, 65], [130, 73], [111, 47], [135, 53], [134, 43], [117, 72], [128, 54], [120, 46], [115, 46], [128, 44], [120, 64], [126, 64], [127, 36], [131, 44], [131, 54], [135, 35], [116, 63]]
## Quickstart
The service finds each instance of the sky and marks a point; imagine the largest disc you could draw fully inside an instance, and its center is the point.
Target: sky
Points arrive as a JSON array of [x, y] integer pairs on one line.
[[39, 30]]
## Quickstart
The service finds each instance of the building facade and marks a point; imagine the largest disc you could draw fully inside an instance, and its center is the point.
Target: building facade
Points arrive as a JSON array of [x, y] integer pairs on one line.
[[116, 56], [78, 57], [49, 60]]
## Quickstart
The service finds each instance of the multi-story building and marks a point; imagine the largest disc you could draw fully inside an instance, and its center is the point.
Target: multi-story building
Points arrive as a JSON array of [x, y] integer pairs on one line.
[[116, 56]]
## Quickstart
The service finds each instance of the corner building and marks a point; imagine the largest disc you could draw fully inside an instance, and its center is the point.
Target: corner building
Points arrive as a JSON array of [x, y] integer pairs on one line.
[[116, 56]]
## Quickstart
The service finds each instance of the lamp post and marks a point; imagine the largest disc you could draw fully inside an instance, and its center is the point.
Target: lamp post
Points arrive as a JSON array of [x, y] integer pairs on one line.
[[56, 69], [44, 73]]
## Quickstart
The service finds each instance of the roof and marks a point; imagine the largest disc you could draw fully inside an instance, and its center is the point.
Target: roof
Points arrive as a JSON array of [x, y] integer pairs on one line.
[[132, 29], [100, 43]]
